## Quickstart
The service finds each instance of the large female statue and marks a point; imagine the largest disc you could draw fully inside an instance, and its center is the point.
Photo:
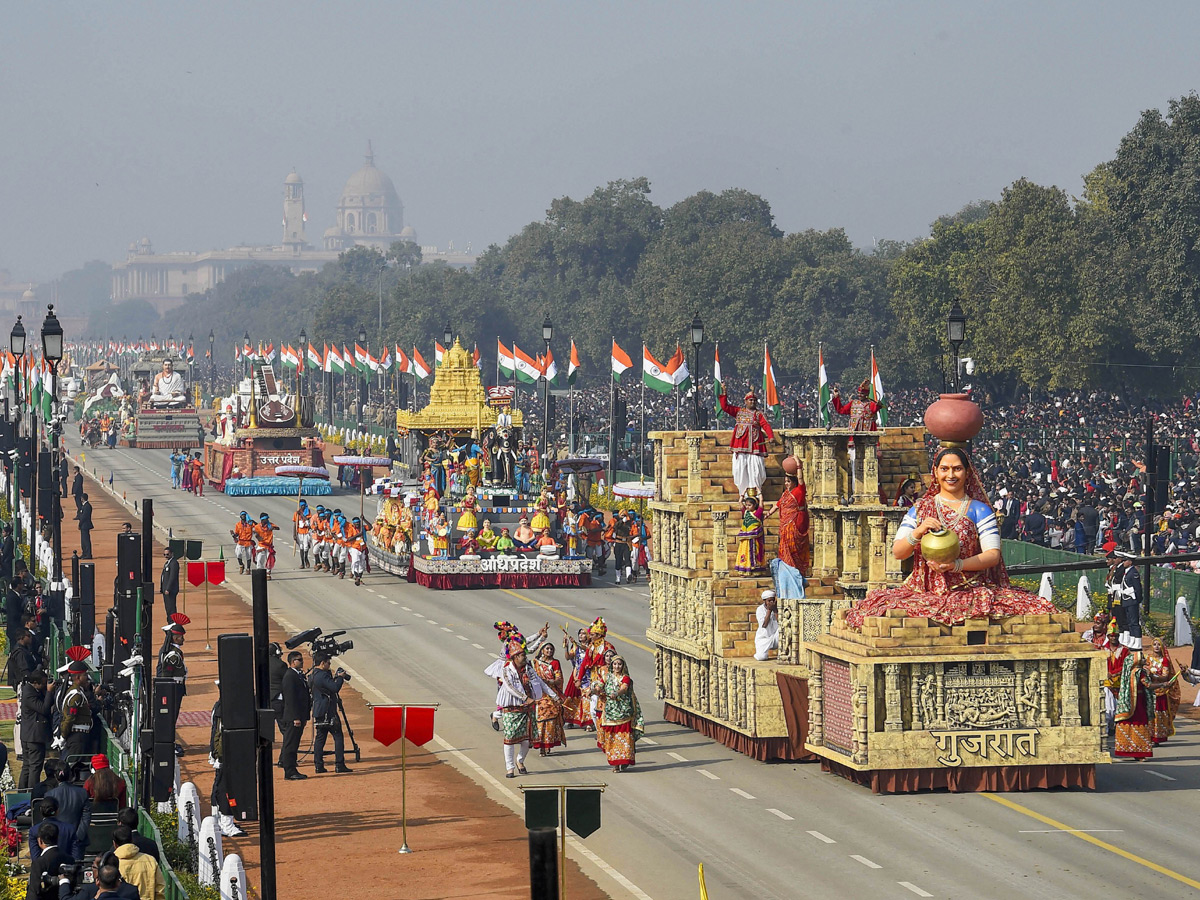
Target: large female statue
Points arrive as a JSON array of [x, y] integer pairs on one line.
[[975, 585]]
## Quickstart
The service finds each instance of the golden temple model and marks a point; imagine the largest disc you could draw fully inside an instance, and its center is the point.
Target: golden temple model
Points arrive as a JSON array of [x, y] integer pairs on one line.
[[457, 401]]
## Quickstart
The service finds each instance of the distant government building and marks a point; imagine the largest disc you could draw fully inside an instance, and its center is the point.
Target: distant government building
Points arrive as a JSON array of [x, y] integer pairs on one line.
[[369, 214]]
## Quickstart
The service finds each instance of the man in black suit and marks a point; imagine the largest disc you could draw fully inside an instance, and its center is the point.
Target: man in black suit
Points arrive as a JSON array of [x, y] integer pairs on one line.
[[63, 832], [325, 687], [48, 863], [14, 610], [64, 469], [36, 708], [77, 488], [7, 548], [23, 660], [297, 705], [84, 518], [168, 583]]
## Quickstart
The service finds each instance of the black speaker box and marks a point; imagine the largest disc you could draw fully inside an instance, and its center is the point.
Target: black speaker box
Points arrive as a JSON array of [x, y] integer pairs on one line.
[[129, 561], [239, 770], [86, 602], [235, 668], [165, 709], [162, 771]]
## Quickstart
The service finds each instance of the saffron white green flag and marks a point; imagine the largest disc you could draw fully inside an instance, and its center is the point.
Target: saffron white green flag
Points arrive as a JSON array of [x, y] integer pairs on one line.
[[824, 395], [655, 374], [527, 368], [504, 356]]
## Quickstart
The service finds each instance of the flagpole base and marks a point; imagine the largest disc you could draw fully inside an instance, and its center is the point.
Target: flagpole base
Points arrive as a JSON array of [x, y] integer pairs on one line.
[[405, 849]]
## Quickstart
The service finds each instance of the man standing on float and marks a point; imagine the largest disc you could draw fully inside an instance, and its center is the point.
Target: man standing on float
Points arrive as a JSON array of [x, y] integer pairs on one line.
[[751, 431]]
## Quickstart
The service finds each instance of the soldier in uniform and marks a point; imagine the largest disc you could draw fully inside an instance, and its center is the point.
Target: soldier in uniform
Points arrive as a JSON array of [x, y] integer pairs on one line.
[[170, 658], [220, 803], [76, 724]]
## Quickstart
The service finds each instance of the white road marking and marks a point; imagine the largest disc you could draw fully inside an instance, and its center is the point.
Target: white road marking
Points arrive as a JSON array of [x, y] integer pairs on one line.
[[478, 646], [462, 637], [652, 743], [393, 602], [676, 756], [1161, 775], [708, 774], [431, 622], [908, 885], [822, 837], [406, 608], [444, 628], [782, 815], [866, 862], [742, 793], [418, 615]]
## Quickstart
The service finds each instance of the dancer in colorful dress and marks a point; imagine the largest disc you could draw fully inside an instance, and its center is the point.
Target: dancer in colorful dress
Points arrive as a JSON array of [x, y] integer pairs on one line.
[[576, 650], [1166, 692], [549, 715], [591, 666], [794, 547], [975, 585], [751, 431], [1135, 706], [621, 725], [751, 554], [520, 691]]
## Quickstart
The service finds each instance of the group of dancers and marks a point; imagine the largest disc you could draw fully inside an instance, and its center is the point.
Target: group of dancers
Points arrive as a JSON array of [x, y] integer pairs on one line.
[[329, 542], [535, 707]]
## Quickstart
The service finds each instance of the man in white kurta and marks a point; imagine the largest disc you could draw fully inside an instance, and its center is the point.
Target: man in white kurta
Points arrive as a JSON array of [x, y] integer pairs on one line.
[[766, 638], [168, 387]]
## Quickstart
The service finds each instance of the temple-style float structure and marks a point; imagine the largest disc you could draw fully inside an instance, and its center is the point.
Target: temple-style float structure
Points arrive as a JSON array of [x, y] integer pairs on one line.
[[903, 704]]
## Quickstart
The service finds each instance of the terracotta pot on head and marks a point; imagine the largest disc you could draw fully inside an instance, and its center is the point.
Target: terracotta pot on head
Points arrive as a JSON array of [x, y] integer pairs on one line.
[[953, 419]]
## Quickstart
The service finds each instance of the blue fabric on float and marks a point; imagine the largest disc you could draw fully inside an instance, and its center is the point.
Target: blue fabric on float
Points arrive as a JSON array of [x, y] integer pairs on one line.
[[263, 486]]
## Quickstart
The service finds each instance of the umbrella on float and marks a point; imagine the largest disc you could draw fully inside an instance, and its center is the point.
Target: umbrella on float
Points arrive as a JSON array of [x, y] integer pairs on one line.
[[362, 462], [302, 472]]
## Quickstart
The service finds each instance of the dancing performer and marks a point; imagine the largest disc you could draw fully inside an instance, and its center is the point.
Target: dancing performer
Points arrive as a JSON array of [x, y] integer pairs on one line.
[[302, 531], [549, 731], [243, 536], [622, 724], [751, 431]]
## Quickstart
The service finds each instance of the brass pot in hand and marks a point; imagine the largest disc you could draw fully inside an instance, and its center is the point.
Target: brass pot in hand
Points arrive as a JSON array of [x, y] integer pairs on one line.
[[940, 546]]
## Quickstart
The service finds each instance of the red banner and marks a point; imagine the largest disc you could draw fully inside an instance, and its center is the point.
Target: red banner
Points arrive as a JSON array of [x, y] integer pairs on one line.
[[216, 572], [419, 725], [390, 724], [195, 573]]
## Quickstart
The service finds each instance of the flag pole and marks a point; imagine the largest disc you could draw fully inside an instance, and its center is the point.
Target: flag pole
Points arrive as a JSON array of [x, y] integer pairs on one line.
[[642, 436], [612, 428]]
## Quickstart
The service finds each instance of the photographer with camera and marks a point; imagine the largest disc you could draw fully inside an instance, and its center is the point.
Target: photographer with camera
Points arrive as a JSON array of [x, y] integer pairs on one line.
[[44, 870], [106, 881], [36, 708], [325, 689]]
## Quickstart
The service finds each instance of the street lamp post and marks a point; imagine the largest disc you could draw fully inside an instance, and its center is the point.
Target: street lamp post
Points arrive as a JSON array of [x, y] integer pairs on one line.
[[303, 352], [16, 345], [697, 340], [52, 350], [212, 362], [245, 355], [547, 336], [956, 332], [364, 390]]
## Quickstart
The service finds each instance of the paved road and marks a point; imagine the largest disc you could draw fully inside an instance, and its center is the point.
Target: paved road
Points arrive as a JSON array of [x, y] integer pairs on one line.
[[763, 830]]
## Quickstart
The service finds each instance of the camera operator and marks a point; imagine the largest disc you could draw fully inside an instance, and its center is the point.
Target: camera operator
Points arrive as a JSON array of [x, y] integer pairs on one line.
[[325, 690], [108, 882], [36, 707], [44, 870]]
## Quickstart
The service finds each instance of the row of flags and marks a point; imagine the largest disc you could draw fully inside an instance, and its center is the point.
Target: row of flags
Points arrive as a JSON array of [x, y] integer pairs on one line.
[[135, 348], [35, 379]]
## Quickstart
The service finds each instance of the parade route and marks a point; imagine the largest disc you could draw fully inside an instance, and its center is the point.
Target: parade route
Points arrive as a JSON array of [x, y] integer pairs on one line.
[[780, 830]]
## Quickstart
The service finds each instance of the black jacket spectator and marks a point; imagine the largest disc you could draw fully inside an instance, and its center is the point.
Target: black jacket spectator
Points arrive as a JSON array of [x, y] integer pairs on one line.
[[48, 863], [325, 688]]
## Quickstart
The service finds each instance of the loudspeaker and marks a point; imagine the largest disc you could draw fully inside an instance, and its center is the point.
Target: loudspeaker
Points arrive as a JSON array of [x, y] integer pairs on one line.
[[239, 771], [162, 771], [165, 709], [47, 486], [235, 668], [129, 561], [1162, 479], [87, 602], [55, 605]]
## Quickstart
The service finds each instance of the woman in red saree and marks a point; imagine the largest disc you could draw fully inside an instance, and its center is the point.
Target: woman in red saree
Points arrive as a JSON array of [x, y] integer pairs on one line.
[[794, 546], [1166, 692], [973, 586]]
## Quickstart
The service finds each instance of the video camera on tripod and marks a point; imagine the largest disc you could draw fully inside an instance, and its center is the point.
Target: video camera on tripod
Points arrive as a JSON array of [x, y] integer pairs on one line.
[[321, 642]]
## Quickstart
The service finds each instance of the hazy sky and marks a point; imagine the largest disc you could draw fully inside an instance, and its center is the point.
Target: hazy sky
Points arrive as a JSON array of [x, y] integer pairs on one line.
[[178, 121]]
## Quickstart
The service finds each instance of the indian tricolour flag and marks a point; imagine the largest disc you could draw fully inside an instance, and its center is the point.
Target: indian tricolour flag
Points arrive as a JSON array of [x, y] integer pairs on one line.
[[362, 359], [287, 356], [677, 366], [314, 358], [527, 367], [403, 363], [770, 394], [824, 394], [348, 359], [549, 366], [718, 379], [620, 361], [438, 352], [654, 373], [573, 365], [334, 360], [419, 366], [877, 392], [504, 357]]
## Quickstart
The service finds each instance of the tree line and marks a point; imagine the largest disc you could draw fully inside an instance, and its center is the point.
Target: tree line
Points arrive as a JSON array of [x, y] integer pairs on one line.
[[1100, 290]]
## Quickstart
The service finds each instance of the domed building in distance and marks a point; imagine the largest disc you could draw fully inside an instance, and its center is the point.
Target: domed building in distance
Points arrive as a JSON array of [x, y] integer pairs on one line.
[[369, 214]]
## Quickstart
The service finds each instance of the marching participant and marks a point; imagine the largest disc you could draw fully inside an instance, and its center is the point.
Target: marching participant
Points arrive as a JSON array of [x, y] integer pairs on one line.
[[356, 548], [243, 535], [264, 553], [338, 527], [302, 532], [320, 533]]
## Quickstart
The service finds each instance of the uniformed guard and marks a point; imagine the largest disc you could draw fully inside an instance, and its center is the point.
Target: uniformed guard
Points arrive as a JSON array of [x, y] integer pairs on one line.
[[171, 663], [1129, 612], [76, 723]]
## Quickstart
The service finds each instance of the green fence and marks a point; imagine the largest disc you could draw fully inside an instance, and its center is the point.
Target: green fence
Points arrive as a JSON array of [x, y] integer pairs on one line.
[[1166, 585]]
